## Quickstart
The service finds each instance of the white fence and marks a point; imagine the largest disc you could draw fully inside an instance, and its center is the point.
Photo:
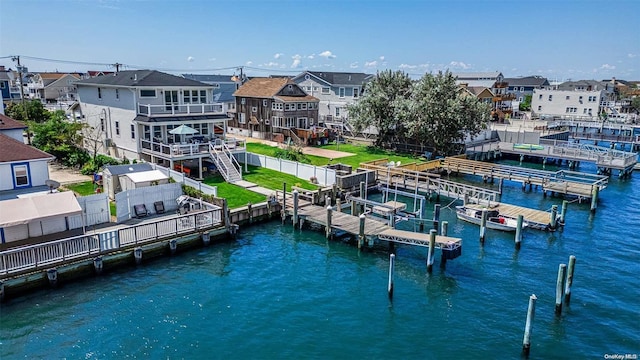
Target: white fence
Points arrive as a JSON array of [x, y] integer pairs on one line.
[[147, 196], [325, 176], [95, 210], [183, 179], [40, 256]]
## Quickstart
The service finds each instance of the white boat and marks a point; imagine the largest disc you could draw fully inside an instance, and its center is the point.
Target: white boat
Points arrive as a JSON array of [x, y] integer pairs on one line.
[[495, 221]]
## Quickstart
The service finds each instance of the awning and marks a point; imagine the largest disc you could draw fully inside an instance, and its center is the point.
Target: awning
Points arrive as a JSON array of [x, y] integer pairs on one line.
[[153, 175], [35, 208]]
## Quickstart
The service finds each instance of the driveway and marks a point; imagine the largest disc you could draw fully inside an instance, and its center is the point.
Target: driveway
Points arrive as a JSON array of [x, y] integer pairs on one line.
[[65, 175]]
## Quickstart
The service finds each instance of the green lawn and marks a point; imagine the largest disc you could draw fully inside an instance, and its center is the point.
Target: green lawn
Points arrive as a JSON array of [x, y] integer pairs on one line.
[[272, 179], [83, 189], [235, 195], [268, 150]]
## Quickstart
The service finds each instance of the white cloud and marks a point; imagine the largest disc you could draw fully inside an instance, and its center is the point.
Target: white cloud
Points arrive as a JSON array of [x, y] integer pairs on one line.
[[607, 67], [190, 59], [371, 64], [631, 56], [310, 57], [459, 65], [354, 65], [382, 58], [249, 63], [327, 54], [407, 66], [271, 64], [296, 60], [278, 56]]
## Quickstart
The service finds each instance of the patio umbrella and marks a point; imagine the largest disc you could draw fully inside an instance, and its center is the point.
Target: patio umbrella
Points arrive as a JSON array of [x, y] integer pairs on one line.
[[183, 130]]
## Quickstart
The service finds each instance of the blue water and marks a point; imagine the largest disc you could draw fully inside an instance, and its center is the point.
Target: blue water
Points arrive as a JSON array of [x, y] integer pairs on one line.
[[277, 292]]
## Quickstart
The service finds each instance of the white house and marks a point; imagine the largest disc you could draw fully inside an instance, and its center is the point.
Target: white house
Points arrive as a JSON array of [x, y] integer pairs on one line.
[[134, 112], [585, 99]]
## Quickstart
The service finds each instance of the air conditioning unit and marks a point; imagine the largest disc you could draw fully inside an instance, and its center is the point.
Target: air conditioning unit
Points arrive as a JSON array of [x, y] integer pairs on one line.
[[108, 143]]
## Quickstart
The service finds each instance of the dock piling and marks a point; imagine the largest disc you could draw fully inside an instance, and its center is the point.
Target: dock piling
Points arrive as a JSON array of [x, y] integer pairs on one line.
[[328, 229], [554, 217], [338, 205], [137, 254], [445, 228], [392, 259], [432, 248], [173, 246], [567, 289], [361, 231], [97, 264], [436, 216], [531, 311], [1, 291], [562, 271], [563, 211], [519, 231], [594, 198], [206, 238], [483, 226], [362, 195], [500, 184], [296, 199], [52, 276]]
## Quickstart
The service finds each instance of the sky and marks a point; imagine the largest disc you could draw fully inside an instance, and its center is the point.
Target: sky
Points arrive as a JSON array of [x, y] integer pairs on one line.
[[561, 39]]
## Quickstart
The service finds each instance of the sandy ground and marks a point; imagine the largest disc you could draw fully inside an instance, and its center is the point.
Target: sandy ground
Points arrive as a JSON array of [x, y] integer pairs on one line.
[[65, 175], [308, 150]]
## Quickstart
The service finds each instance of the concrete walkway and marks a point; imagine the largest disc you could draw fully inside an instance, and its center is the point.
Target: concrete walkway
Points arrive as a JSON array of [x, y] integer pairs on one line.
[[254, 187], [307, 150]]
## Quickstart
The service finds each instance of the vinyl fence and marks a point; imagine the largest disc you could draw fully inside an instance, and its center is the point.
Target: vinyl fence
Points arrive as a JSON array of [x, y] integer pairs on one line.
[[183, 179], [126, 200], [325, 176], [95, 210]]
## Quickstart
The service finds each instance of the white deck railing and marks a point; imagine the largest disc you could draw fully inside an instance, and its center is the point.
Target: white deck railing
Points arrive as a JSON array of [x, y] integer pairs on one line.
[[36, 257], [180, 109]]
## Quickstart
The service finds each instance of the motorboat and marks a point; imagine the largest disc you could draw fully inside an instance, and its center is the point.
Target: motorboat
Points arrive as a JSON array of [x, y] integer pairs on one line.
[[495, 220]]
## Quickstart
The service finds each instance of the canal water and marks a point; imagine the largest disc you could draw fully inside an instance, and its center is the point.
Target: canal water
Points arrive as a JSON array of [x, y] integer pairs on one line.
[[277, 292]]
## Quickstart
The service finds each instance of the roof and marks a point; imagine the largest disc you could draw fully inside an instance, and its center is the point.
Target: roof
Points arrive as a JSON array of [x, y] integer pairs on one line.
[[477, 90], [493, 75], [143, 176], [477, 83], [535, 81], [7, 123], [12, 150], [261, 87], [55, 75], [131, 78], [124, 169], [209, 78], [4, 75], [340, 78], [33, 208], [94, 73], [594, 84]]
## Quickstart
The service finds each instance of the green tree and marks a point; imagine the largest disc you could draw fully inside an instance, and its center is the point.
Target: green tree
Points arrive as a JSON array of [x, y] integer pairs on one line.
[[383, 101], [635, 104], [60, 138], [439, 116], [35, 111], [526, 104]]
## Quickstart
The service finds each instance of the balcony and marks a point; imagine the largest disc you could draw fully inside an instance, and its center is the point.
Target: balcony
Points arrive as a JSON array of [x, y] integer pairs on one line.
[[503, 97], [181, 109], [192, 149]]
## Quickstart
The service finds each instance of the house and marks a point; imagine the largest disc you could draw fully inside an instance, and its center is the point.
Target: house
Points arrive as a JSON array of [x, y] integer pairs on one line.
[[501, 103], [276, 109], [112, 174], [52, 87], [523, 86], [335, 91], [21, 166], [135, 115], [223, 88], [481, 93], [585, 99], [4, 84]]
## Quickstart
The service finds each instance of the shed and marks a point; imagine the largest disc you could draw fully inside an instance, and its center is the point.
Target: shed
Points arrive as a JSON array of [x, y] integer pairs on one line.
[[143, 179], [111, 176], [38, 215]]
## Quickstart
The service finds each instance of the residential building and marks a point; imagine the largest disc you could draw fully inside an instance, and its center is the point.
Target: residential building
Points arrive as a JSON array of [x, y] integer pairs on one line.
[[52, 87], [4, 83], [138, 115], [334, 90], [568, 103], [501, 102], [223, 88], [523, 86], [12, 128], [276, 109]]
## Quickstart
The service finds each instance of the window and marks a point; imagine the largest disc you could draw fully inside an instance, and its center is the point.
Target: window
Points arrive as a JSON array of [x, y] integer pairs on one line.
[[117, 94], [147, 93], [521, 88], [550, 97], [99, 93], [302, 106], [265, 102], [580, 99], [584, 111], [539, 107], [21, 175], [326, 90], [2, 85], [133, 131], [194, 96], [521, 99], [118, 128], [356, 92], [337, 111], [276, 106], [203, 129], [540, 97], [254, 109], [102, 125], [241, 118], [341, 92], [290, 122]]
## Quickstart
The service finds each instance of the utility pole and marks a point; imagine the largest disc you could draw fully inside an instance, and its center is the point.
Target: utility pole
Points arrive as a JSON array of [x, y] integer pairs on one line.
[[24, 108], [117, 66]]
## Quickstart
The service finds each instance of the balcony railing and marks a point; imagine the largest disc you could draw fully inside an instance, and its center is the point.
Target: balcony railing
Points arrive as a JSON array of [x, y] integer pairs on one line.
[[183, 150], [180, 109]]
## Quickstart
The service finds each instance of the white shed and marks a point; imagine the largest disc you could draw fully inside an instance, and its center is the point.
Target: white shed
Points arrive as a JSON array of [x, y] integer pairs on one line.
[[143, 179]]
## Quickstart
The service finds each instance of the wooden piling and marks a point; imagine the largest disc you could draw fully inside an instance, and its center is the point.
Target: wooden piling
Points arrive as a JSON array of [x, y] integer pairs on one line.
[[361, 235], [483, 226], [519, 231], [594, 198], [392, 259], [328, 229], [97, 264], [500, 184], [562, 271], [284, 196], [563, 211], [436, 216], [362, 195], [554, 217], [52, 276], [296, 199], [137, 254], [531, 311], [173, 246], [567, 288], [432, 249], [445, 228], [354, 208], [465, 199]]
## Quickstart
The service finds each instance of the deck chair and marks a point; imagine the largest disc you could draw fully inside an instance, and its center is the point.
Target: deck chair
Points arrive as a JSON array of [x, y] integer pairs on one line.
[[159, 206], [140, 210]]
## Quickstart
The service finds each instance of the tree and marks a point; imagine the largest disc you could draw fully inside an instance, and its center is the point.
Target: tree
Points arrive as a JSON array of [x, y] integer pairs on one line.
[[384, 98], [526, 104], [60, 138], [35, 111], [439, 116], [635, 104]]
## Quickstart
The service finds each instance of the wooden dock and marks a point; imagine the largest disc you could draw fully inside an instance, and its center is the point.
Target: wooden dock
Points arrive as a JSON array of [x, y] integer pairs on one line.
[[537, 219], [562, 182]]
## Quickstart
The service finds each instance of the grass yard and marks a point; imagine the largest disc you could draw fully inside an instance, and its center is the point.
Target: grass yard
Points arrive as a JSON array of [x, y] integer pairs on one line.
[[272, 179], [365, 153], [235, 195], [268, 150], [82, 189]]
